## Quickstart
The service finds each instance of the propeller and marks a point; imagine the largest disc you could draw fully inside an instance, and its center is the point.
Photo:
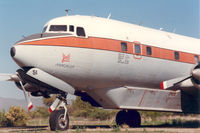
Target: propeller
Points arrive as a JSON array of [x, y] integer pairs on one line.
[[27, 97], [16, 78]]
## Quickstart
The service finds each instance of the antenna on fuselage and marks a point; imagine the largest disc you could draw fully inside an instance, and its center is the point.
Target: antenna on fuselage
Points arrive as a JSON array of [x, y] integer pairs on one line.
[[67, 12], [140, 23], [109, 16], [174, 30]]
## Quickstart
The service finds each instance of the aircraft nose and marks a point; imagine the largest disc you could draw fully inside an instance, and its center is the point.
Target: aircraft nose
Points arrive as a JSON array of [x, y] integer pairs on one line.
[[19, 55], [12, 52]]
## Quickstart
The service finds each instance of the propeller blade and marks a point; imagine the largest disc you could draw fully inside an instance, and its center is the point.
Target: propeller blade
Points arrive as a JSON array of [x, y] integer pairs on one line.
[[30, 104], [169, 84], [9, 77], [5, 77], [28, 100]]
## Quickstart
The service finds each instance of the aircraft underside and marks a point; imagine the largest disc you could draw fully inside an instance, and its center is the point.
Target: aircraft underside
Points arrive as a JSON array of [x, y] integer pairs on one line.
[[124, 97]]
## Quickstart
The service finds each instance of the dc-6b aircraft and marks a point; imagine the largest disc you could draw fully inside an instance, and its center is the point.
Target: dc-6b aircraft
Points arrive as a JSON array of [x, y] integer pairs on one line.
[[110, 64]]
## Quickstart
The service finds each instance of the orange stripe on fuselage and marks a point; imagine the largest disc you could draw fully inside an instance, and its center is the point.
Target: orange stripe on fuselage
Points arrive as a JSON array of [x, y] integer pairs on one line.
[[94, 43], [111, 45]]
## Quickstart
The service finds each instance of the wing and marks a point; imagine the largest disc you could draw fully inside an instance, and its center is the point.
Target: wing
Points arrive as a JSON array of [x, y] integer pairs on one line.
[[137, 98]]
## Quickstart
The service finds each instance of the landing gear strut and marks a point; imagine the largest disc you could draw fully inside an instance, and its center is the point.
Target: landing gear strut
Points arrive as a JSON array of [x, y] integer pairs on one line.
[[59, 119], [130, 117]]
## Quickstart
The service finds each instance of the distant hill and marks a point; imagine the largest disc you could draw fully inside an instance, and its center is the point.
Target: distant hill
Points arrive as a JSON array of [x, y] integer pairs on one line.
[[5, 103]]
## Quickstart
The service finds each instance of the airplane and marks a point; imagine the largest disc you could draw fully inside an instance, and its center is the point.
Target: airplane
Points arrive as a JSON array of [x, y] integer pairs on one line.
[[110, 64]]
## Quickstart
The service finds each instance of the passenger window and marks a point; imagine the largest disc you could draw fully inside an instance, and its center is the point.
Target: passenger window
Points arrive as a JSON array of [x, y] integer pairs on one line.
[[80, 31], [123, 47], [176, 55], [196, 59], [148, 50], [137, 49], [71, 28], [58, 28]]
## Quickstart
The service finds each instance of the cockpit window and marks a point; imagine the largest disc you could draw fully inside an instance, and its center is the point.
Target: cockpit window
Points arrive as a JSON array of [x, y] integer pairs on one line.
[[44, 29], [58, 28], [80, 31], [71, 28]]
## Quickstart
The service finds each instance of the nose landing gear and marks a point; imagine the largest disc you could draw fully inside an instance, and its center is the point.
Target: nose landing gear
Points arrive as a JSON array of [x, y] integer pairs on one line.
[[59, 119], [130, 117]]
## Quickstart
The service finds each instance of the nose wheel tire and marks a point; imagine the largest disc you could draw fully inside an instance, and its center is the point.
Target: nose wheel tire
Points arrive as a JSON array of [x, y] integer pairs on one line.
[[131, 118], [57, 121]]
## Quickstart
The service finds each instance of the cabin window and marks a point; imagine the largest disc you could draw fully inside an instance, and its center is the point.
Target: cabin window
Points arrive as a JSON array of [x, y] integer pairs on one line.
[[137, 49], [123, 47], [71, 28], [196, 59], [58, 28], [80, 31], [44, 29], [148, 50], [176, 55]]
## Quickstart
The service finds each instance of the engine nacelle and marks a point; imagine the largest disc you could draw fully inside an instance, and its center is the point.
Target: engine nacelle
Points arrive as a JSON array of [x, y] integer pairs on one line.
[[195, 73], [27, 87], [36, 86], [35, 91]]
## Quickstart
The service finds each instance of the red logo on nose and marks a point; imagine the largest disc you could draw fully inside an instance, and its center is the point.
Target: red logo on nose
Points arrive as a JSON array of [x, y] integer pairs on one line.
[[65, 58]]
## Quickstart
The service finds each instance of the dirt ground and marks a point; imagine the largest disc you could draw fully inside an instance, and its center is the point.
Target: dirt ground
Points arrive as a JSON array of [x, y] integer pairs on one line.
[[102, 129]]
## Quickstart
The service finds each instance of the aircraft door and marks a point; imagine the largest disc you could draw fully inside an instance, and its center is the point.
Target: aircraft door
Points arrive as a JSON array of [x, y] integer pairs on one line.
[[137, 50]]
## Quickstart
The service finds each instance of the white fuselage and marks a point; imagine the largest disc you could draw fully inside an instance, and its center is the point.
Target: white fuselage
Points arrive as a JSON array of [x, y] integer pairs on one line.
[[96, 60]]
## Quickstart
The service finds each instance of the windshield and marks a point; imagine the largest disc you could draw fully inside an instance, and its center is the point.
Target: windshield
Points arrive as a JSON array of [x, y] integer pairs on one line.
[[44, 29], [58, 28]]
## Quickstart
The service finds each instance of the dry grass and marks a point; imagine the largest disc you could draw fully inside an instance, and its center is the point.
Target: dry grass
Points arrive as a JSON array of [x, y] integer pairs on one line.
[[176, 120]]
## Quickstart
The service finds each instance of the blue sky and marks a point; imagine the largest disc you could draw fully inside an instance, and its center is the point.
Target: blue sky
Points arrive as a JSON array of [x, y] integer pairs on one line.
[[24, 17]]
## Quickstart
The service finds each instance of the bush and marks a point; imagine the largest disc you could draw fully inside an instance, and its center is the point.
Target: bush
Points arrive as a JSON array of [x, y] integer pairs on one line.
[[40, 112], [101, 114], [153, 114], [2, 118], [14, 117], [43, 112], [49, 101], [80, 108]]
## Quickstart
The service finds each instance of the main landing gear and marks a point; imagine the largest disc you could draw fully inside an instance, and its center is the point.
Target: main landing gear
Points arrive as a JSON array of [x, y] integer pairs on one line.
[[59, 119], [130, 117]]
